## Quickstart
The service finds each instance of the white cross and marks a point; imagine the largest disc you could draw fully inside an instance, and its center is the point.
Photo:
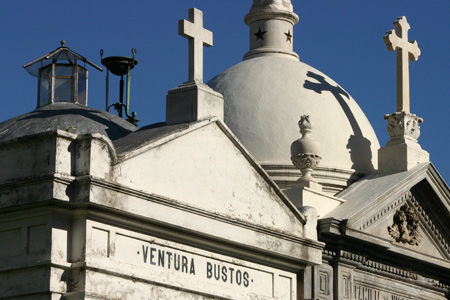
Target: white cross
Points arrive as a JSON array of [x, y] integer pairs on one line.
[[198, 37], [406, 52]]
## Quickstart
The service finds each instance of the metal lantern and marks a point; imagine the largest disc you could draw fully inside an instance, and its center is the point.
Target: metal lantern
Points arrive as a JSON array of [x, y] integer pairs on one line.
[[61, 78]]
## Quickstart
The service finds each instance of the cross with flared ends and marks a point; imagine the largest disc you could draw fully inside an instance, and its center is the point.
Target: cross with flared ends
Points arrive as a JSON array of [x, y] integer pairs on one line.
[[406, 52], [198, 37]]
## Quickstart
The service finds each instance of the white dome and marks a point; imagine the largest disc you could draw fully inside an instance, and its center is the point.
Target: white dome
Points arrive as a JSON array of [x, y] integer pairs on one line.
[[267, 93], [264, 98]]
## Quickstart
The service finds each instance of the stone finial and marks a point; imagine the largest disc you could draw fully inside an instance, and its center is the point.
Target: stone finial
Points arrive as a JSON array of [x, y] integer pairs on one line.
[[406, 51], [305, 152], [198, 37]]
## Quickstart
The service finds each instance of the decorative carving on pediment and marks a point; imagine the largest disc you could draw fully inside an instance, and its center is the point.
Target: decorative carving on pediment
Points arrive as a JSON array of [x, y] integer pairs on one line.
[[426, 221], [406, 226]]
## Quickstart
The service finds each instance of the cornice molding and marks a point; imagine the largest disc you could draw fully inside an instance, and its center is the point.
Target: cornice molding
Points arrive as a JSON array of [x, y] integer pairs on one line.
[[360, 262]]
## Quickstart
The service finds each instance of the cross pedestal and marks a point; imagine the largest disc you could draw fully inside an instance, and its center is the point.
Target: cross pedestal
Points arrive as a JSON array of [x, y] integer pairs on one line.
[[194, 100]]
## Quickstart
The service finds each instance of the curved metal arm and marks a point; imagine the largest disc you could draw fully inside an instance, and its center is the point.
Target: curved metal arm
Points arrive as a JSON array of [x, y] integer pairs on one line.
[[120, 63], [132, 119]]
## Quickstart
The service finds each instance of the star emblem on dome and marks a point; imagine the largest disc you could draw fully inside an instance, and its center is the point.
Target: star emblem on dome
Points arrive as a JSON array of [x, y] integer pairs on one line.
[[288, 36], [260, 34]]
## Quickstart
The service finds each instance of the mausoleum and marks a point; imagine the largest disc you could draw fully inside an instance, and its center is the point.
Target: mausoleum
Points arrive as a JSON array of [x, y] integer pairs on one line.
[[267, 182]]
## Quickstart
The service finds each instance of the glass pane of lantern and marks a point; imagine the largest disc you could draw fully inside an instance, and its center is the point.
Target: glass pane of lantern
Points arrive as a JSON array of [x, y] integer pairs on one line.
[[63, 70], [82, 88], [63, 83], [34, 68], [44, 87], [63, 89]]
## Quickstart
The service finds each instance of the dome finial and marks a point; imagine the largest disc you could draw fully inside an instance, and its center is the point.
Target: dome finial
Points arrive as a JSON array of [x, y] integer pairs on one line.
[[271, 29]]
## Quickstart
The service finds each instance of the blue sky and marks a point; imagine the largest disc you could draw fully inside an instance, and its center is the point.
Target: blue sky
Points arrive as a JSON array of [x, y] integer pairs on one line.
[[343, 39]]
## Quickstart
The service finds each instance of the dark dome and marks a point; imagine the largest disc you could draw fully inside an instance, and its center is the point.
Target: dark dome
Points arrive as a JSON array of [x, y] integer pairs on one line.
[[62, 116]]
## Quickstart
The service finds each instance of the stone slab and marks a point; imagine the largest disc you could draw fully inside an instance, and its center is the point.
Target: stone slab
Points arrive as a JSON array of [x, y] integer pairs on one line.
[[304, 196]]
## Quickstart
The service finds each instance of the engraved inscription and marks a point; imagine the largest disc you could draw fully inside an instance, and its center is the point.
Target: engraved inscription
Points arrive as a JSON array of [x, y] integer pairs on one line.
[[366, 293], [178, 265], [171, 260]]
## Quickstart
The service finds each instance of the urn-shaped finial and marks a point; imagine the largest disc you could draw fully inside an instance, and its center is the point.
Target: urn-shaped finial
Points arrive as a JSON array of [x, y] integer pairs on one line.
[[305, 151]]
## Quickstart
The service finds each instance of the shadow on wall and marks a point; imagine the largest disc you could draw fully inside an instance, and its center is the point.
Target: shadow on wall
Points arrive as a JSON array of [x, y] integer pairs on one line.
[[359, 146]]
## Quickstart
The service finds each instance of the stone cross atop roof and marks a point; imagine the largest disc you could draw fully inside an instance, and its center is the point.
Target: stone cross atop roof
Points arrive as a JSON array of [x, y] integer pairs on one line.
[[198, 37], [406, 51], [193, 100], [402, 152]]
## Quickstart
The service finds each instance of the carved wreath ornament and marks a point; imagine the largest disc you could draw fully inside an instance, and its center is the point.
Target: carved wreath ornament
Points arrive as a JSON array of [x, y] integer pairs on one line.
[[406, 226]]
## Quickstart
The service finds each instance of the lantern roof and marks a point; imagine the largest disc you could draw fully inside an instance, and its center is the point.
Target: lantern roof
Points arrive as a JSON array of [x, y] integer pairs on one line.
[[61, 53]]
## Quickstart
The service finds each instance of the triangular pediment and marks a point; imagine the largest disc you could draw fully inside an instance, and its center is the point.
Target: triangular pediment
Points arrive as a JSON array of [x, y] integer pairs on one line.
[[204, 167], [194, 183], [410, 211], [406, 224]]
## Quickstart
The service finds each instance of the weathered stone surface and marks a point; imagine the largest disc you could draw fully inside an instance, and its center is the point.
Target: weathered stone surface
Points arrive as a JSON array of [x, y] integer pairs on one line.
[[158, 262], [71, 206]]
